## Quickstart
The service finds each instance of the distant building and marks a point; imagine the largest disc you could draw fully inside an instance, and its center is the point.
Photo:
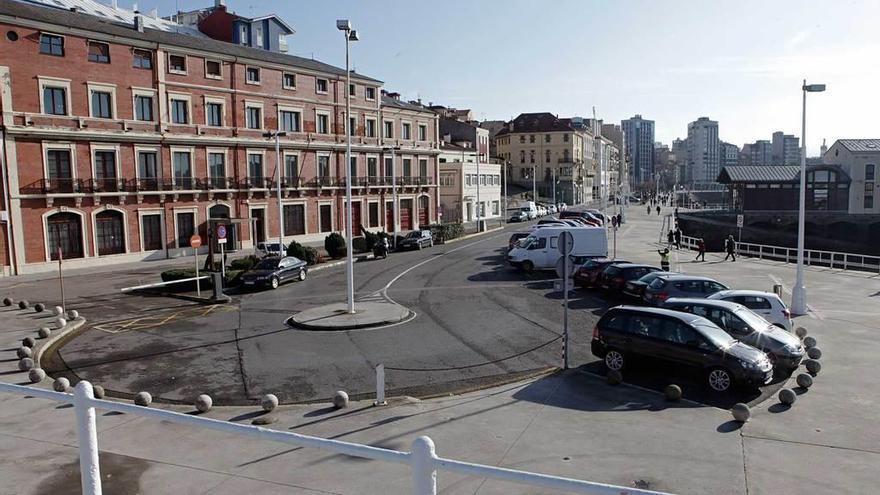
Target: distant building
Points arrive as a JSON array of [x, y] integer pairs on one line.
[[704, 156], [462, 115], [459, 177], [860, 159], [776, 187], [267, 32], [620, 179], [729, 154], [785, 149], [679, 153], [665, 164], [761, 153], [639, 135]]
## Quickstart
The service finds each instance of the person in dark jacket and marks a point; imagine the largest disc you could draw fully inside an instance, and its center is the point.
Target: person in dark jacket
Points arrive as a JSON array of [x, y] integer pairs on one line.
[[670, 238], [677, 236], [701, 250], [730, 247]]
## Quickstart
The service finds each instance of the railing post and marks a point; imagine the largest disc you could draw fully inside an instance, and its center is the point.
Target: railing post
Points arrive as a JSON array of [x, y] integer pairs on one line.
[[380, 385], [87, 439], [424, 472], [760, 251]]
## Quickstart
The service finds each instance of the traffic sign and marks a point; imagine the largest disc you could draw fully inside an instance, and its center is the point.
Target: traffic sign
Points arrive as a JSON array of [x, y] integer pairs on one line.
[[739, 221], [572, 266], [557, 284], [566, 243], [195, 241], [221, 232]]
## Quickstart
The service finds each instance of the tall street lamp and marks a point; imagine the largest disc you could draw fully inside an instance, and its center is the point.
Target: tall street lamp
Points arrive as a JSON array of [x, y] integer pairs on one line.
[[799, 293], [276, 135], [344, 25], [392, 149]]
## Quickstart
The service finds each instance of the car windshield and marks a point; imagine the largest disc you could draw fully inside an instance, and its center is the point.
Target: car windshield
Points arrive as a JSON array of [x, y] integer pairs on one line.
[[413, 235], [525, 243], [267, 264], [753, 320], [271, 247], [715, 335]]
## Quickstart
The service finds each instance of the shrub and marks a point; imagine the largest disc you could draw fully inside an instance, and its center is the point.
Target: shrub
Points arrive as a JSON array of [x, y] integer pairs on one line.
[[372, 239], [335, 245], [178, 274], [359, 244], [305, 253], [243, 264], [233, 277], [443, 232]]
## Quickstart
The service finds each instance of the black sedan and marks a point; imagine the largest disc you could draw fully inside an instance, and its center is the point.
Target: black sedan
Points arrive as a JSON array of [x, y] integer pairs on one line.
[[273, 271]]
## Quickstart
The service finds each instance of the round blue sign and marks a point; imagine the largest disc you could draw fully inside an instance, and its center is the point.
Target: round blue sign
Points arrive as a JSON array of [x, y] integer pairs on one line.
[[221, 231]]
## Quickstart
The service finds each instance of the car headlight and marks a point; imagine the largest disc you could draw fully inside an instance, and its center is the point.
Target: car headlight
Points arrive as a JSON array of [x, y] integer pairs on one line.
[[748, 365]]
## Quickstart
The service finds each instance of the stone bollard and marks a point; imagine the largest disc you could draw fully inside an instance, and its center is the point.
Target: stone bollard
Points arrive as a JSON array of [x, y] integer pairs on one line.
[[28, 342], [60, 323], [804, 380], [44, 332], [58, 311], [23, 305], [741, 412], [39, 307], [672, 392], [72, 314], [61, 384], [143, 399], [98, 391], [24, 352], [614, 377], [269, 402], [813, 366], [787, 396], [25, 364], [809, 342], [340, 400], [36, 375], [204, 403], [814, 353], [801, 332], [7, 301]]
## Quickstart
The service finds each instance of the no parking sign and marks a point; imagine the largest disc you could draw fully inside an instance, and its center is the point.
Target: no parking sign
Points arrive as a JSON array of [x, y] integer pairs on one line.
[[221, 234]]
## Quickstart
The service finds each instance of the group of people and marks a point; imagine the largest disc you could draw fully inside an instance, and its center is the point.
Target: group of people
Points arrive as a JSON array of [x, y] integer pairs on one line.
[[649, 209]]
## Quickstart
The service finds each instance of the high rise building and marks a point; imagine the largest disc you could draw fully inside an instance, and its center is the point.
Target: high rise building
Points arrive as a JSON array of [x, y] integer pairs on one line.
[[639, 144], [761, 153], [704, 157], [679, 151], [785, 149], [729, 154]]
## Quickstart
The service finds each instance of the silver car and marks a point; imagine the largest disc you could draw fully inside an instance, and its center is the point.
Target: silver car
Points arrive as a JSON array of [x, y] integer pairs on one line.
[[693, 286]]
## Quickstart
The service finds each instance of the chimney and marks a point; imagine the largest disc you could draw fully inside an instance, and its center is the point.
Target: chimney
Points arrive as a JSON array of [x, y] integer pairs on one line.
[[139, 23], [396, 96], [134, 8], [220, 3], [114, 4]]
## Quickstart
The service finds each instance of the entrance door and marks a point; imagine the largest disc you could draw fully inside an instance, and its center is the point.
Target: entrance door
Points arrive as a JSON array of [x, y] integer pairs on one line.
[[65, 232], [423, 212], [406, 214], [389, 216], [355, 218], [219, 215], [259, 216]]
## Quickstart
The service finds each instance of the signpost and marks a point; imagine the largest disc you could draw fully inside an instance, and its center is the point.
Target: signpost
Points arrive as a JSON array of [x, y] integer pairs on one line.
[[194, 242], [566, 244], [739, 225], [221, 239]]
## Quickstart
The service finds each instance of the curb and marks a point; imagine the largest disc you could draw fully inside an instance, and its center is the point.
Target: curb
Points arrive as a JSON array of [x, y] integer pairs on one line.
[[71, 328], [473, 235]]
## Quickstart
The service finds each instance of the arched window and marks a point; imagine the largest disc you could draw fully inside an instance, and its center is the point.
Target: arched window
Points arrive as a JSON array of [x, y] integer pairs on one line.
[[110, 232], [65, 234]]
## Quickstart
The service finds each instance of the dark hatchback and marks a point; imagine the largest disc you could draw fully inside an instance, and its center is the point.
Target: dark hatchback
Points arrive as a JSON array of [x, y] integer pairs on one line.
[[784, 349], [630, 333], [272, 272], [636, 288], [615, 276], [587, 275]]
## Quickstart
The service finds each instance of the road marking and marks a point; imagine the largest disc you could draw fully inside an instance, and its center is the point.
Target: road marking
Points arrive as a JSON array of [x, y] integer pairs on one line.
[[156, 321]]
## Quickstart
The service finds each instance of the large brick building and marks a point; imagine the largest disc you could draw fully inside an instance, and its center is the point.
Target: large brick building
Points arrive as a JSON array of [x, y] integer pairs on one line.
[[120, 142]]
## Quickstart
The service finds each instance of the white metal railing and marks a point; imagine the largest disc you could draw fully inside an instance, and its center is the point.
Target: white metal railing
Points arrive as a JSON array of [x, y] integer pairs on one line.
[[812, 257], [422, 459]]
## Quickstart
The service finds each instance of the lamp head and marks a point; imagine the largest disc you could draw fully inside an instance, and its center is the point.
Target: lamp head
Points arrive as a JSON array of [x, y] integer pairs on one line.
[[814, 88], [353, 35], [343, 25]]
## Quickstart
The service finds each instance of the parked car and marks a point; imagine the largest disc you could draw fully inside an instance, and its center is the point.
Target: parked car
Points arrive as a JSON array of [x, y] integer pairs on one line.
[[629, 333], [663, 288], [615, 276], [417, 239], [552, 209], [587, 275], [766, 304], [275, 270], [514, 238], [518, 216], [784, 349], [270, 249], [553, 221], [542, 211], [636, 288], [562, 206]]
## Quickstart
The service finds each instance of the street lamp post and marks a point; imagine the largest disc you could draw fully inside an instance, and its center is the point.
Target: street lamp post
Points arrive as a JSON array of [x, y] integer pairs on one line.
[[350, 35], [504, 199], [276, 135], [799, 292], [479, 205], [392, 149]]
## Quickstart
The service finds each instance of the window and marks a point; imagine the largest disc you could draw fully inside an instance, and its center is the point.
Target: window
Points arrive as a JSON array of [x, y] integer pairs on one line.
[[142, 59], [547, 156], [389, 167], [546, 138], [373, 215], [522, 139], [212, 69], [406, 130], [565, 138], [321, 86], [352, 90], [186, 227], [254, 118], [326, 217], [323, 166], [214, 114], [148, 168], [532, 156], [353, 170], [288, 80], [177, 64], [51, 44], [389, 129], [109, 232], [105, 170], [65, 235], [217, 165], [54, 100], [423, 132], [370, 93], [255, 168], [323, 123], [407, 167], [869, 171], [522, 156], [243, 35], [869, 202], [151, 228], [291, 167], [143, 107], [289, 120], [260, 36], [102, 105], [252, 75], [352, 124], [179, 111], [182, 170], [58, 164], [99, 52], [370, 127], [494, 207], [423, 168], [531, 138], [294, 219]]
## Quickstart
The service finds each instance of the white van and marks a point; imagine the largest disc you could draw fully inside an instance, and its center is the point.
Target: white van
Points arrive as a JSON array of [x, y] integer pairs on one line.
[[540, 250], [528, 207]]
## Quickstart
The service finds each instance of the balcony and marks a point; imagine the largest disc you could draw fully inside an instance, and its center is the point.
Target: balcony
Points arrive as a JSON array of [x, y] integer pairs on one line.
[[105, 185], [257, 183]]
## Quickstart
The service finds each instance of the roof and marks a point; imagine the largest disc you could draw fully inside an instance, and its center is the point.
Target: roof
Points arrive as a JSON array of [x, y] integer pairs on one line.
[[681, 276], [772, 174], [66, 18], [277, 19], [718, 303], [118, 14], [870, 145], [745, 292], [537, 122], [388, 101], [661, 311], [454, 147]]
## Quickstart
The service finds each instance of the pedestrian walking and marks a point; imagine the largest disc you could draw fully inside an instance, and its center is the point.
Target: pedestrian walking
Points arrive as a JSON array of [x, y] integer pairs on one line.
[[658, 209], [664, 259], [677, 237], [730, 247], [619, 219], [701, 250], [649, 209], [670, 238]]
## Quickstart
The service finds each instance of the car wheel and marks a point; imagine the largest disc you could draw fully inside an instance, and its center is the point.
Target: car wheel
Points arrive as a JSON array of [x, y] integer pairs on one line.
[[528, 267], [614, 360], [302, 274], [274, 282], [719, 380], [431, 243]]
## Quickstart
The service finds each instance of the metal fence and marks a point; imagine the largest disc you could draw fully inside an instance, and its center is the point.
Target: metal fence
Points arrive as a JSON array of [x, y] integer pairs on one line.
[[421, 459]]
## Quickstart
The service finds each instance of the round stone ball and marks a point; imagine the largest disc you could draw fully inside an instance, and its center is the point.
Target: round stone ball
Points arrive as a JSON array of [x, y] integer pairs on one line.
[[24, 352], [23, 305], [269, 402], [72, 314], [98, 391], [809, 342], [44, 332], [204, 403], [787, 396], [813, 366], [28, 342], [25, 364], [804, 380], [814, 353], [741, 412], [39, 307], [801, 332], [143, 399], [614, 377], [672, 392], [7, 301], [61, 384], [340, 399], [36, 375], [60, 322], [58, 311]]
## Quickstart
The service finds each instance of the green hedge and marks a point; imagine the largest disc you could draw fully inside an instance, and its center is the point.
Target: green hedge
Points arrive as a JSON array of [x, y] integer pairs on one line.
[[443, 232], [305, 253], [245, 263], [335, 245]]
